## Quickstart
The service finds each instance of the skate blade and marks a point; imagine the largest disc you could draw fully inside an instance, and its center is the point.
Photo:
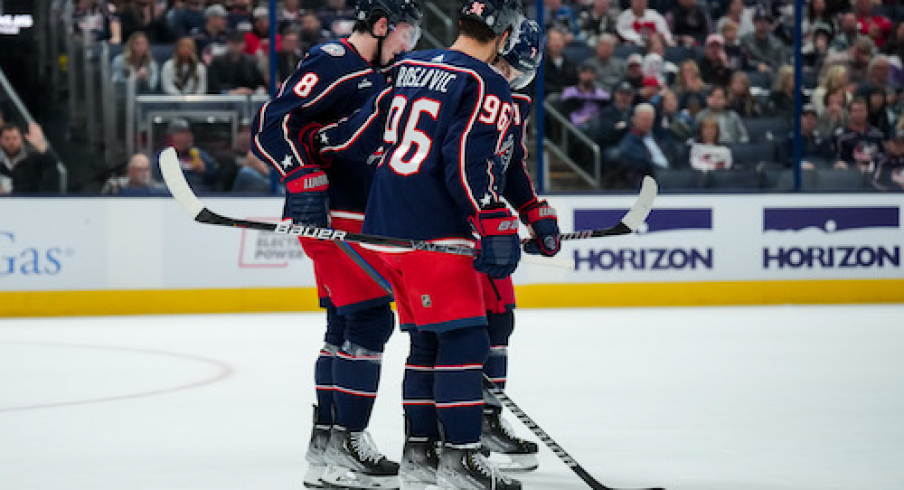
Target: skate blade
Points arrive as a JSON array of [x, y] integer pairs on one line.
[[339, 477], [514, 463], [312, 476]]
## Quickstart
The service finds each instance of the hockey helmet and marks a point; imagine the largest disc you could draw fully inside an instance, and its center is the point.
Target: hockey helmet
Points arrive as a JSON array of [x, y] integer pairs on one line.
[[499, 15], [395, 11], [526, 55]]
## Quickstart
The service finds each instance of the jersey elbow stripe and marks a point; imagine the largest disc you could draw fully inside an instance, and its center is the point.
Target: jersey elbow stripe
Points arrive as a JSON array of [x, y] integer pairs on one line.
[[260, 147], [333, 85], [285, 132]]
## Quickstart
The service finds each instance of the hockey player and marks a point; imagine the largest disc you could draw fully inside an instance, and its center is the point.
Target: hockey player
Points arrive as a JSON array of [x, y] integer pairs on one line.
[[442, 126], [334, 80], [519, 66]]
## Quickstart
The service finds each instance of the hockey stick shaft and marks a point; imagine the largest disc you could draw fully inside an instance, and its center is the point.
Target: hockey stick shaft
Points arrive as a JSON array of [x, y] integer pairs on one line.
[[179, 188], [540, 433]]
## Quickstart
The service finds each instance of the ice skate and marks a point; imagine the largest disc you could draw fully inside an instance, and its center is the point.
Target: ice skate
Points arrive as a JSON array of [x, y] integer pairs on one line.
[[509, 452], [420, 461], [353, 461], [316, 455], [466, 468]]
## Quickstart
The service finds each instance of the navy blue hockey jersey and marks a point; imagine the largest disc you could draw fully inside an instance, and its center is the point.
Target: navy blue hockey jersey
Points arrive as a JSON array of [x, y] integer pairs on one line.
[[330, 83], [440, 129], [519, 189]]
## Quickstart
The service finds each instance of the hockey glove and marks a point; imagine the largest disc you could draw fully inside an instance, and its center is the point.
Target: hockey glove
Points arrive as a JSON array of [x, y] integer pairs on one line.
[[500, 247], [541, 218], [307, 202]]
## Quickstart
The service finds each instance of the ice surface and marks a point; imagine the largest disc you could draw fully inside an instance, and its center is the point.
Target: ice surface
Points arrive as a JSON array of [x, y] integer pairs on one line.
[[762, 398]]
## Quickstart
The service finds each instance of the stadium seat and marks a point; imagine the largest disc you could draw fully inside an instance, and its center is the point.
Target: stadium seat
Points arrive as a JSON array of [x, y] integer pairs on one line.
[[759, 79], [839, 180], [680, 179], [624, 50], [733, 179], [750, 154], [162, 52], [115, 50], [578, 51], [765, 129], [677, 54]]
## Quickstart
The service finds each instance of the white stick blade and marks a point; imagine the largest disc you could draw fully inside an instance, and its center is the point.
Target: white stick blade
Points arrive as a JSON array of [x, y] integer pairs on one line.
[[638, 214], [175, 181]]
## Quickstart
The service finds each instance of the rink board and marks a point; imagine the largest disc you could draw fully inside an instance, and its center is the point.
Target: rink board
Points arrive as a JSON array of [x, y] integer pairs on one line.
[[77, 256]]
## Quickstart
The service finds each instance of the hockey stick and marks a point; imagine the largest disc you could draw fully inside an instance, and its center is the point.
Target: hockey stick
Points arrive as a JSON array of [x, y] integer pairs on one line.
[[178, 187], [550, 443]]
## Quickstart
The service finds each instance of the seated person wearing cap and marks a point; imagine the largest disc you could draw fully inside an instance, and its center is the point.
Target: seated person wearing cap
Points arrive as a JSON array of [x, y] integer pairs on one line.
[[763, 48], [816, 148], [889, 174], [201, 170], [234, 72], [212, 38], [584, 102], [614, 118], [257, 40], [714, 66]]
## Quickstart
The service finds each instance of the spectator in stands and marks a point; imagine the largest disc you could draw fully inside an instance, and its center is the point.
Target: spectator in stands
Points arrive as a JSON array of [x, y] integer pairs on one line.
[[614, 119], [741, 17], [634, 76], [289, 15], [859, 145], [563, 18], [186, 17], [694, 104], [650, 90], [816, 147], [781, 98], [689, 82], [764, 50], [200, 169], [137, 181], [584, 102], [235, 72], [707, 153], [672, 127], [737, 58], [836, 78], [856, 59], [655, 61], [816, 50], [136, 60], [240, 18], [253, 176], [817, 14], [714, 64], [889, 175], [640, 153], [212, 38], [740, 99], [637, 23], [337, 17], [257, 40], [597, 19], [877, 110], [148, 16], [834, 115], [184, 74], [312, 32], [689, 23], [609, 69], [847, 33], [878, 27], [878, 75], [895, 44], [558, 71], [98, 19], [287, 58], [26, 168], [731, 128]]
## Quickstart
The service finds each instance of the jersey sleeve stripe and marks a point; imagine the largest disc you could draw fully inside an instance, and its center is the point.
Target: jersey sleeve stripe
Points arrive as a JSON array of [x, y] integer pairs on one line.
[[333, 85], [289, 141], [357, 133]]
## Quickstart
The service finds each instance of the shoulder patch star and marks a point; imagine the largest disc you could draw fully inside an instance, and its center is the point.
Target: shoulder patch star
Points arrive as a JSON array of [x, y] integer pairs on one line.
[[287, 162]]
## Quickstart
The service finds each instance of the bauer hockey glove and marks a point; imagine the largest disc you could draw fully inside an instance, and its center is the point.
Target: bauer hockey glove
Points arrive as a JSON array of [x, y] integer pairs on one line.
[[307, 202], [500, 247], [541, 218]]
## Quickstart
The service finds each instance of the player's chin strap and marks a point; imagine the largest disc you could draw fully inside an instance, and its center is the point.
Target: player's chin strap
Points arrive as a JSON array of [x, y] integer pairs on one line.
[[376, 61]]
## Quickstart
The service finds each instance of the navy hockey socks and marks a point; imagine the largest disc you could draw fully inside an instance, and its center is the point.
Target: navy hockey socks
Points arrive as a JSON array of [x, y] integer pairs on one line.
[[356, 369], [417, 387], [460, 357], [323, 369], [500, 327]]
